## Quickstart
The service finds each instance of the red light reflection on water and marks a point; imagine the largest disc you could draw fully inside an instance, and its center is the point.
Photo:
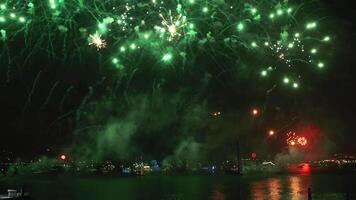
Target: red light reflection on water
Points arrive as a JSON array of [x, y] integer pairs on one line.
[[302, 168], [279, 188]]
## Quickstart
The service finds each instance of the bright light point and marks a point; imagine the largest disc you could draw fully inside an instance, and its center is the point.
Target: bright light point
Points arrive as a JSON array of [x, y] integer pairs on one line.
[[95, 40], [240, 27], [191, 1], [253, 11], [133, 46], [290, 45], [297, 35], [2, 19], [167, 57], [172, 29], [173, 24], [12, 15], [289, 10], [286, 80], [326, 38], [264, 73], [292, 143], [266, 44], [320, 65], [313, 51], [295, 85], [253, 44], [311, 25], [191, 26], [146, 36], [2, 6], [205, 9], [216, 113], [279, 12], [115, 60], [22, 19], [63, 157], [122, 49], [255, 112], [271, 132], [271, 16]]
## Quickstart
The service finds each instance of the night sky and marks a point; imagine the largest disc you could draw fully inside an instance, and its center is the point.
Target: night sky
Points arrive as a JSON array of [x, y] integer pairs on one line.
[[42, 88]]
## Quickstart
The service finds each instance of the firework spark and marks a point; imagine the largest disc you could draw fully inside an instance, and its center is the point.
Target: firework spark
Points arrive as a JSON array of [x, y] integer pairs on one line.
[[97, 41], [174, 25]]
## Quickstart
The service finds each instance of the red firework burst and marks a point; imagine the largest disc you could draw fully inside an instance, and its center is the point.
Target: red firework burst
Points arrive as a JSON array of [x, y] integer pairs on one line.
[[295, 140]]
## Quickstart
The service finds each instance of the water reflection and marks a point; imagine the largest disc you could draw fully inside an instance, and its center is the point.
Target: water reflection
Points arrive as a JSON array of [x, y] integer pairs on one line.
[[258, 190], [218, 193], [277, 187], [295, 188], [274, 187]]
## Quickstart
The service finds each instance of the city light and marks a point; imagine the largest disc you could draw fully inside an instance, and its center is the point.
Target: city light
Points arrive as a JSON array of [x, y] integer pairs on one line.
[[253, 155], [216, 113]]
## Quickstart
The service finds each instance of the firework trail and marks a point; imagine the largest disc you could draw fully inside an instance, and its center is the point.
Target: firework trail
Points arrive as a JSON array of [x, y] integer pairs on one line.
[[108, 44], [268, 33]]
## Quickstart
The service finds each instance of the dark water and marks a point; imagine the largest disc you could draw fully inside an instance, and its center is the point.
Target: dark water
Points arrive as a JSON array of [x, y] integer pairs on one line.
[[294, 187]]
